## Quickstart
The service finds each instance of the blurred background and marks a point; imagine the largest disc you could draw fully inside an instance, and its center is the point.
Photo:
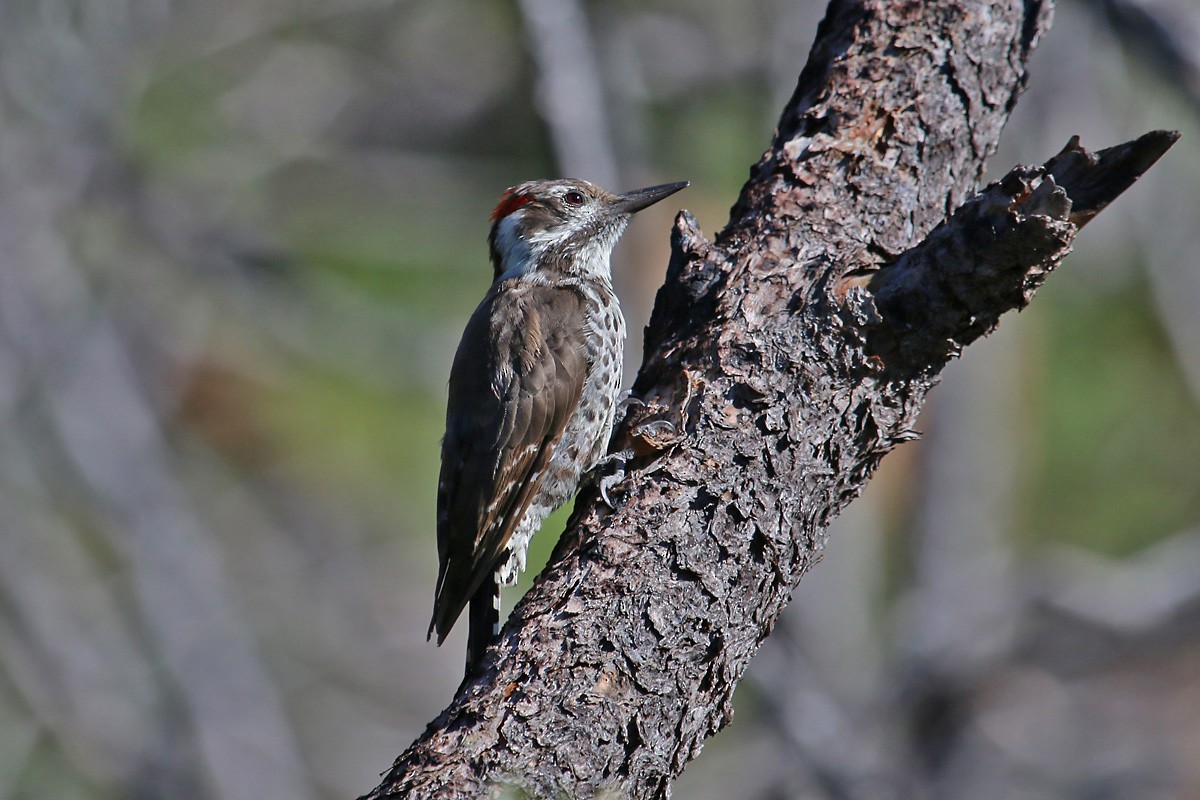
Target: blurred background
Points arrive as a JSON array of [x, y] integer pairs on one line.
[[238, 242]]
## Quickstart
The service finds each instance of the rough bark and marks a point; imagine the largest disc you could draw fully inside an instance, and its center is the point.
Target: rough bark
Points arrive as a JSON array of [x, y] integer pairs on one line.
[[788, 355]]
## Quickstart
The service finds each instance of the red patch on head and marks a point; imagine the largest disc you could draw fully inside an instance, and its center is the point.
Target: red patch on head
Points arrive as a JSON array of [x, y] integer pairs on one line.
[[510, 201]]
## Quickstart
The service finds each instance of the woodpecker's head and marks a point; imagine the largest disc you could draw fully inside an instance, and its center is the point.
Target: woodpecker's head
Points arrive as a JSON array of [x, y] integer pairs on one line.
[[568, 226]]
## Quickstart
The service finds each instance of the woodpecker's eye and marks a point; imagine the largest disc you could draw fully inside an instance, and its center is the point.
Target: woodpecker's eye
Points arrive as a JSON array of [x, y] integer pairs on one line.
[[573, 198]]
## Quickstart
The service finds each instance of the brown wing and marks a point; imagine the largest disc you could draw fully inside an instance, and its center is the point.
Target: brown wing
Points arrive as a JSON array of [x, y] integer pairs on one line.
[[517, 376]]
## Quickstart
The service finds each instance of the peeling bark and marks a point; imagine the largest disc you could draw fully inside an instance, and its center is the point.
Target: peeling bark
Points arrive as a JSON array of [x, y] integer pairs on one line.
[[788, 355]]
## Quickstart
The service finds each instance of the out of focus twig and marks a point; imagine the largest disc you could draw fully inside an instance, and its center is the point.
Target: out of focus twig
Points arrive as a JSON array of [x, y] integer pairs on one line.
[[570, 91]]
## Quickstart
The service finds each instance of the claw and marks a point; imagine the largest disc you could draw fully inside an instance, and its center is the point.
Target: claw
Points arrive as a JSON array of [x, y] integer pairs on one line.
[[603, 481], [646, 437]]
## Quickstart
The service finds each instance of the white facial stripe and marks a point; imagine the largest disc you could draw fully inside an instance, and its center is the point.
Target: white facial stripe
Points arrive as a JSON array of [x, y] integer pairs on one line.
[[514, 251]]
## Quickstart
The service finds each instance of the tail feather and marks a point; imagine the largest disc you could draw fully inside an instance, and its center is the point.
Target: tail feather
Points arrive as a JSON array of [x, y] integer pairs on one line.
[[483, 620]]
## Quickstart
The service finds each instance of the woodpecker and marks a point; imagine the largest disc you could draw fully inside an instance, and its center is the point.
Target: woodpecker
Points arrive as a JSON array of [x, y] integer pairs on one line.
[[533, 389]]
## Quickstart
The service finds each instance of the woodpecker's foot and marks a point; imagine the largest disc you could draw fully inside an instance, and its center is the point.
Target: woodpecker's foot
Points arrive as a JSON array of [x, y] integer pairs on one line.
[[653, 437], [620, 460], [608, 472], [645, 439]]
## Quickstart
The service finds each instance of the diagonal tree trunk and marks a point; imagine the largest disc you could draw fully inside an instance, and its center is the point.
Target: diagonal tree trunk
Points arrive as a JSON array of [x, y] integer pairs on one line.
[[788, 355]]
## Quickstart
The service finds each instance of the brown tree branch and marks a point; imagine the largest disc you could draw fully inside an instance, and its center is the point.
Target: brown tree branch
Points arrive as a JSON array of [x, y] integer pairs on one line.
[[788, 356], [992, 254]]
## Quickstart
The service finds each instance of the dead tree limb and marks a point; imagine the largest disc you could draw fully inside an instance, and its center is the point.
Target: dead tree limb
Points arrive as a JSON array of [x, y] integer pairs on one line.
[[788, 356]]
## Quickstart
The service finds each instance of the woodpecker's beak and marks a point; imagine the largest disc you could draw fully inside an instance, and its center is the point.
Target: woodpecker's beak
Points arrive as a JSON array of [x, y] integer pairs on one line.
[[638, 199]]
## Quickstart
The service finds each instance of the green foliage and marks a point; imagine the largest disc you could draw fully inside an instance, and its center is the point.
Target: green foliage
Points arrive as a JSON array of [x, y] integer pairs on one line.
[[46, 772], [357, 443], [1115, 461], [713, 137]]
